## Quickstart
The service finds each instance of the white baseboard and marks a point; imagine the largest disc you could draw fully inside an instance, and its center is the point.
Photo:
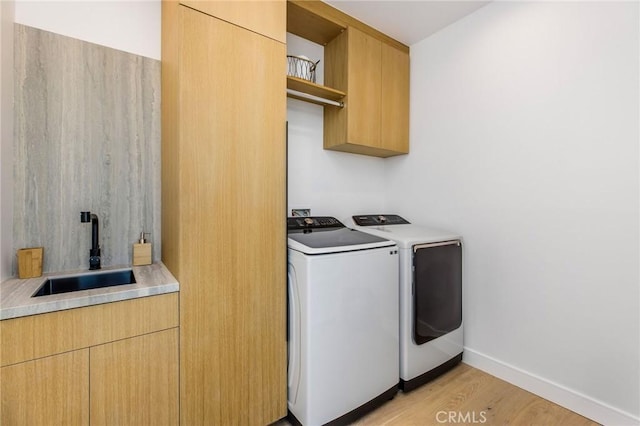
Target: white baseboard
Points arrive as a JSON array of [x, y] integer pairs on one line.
[[574, 401]]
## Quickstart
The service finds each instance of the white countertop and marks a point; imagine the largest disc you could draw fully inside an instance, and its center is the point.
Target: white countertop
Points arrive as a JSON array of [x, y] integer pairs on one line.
[[16, 300]]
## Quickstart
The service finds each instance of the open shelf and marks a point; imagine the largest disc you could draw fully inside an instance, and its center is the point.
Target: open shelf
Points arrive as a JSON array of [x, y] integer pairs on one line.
[[313, 89], [313, 21]]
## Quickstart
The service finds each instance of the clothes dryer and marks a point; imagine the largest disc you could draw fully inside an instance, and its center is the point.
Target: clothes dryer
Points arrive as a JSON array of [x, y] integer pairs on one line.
[[430, 291], [343, 321]]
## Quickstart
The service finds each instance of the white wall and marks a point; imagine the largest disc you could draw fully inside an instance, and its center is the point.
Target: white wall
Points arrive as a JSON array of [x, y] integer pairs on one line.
[[524, 138], [131, 26], [6, 138], [329, 183]]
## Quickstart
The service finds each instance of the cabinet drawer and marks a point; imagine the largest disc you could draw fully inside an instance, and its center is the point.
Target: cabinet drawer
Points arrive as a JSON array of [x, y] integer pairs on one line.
[[36, 336]]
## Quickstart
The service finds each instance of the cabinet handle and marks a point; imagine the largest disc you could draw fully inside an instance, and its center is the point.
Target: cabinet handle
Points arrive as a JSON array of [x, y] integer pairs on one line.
[[439, 244]]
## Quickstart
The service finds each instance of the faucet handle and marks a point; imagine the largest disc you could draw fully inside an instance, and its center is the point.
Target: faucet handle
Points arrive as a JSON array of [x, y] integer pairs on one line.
[[85, 217]]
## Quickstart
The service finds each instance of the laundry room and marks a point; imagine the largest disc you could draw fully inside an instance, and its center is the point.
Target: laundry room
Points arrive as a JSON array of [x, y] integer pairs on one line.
[[523, 140], [520, 183]]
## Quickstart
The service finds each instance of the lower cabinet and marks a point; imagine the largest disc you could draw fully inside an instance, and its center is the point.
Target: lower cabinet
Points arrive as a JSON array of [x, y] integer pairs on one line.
[[110, 364], [47, 391], [135, 381], [128, 382]]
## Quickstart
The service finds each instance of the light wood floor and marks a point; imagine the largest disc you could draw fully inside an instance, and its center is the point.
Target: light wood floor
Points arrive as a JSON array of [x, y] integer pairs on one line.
[[466, 395]]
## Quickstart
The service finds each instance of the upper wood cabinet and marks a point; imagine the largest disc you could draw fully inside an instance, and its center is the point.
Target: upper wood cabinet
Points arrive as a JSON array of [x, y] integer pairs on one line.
[[266, 17], [375, 77], [365, 69], [224, 214]]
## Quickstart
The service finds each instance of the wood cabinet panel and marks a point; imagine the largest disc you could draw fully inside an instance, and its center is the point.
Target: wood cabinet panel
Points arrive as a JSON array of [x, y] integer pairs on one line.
[[394, 123], [364, 89], [135, 381], [47, 391], [37, 336], [336, 75], [224, 171], [266, 17], [171, 42]]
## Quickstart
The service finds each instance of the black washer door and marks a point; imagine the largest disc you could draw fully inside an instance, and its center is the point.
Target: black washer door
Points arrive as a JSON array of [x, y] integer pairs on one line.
[[437, 292]]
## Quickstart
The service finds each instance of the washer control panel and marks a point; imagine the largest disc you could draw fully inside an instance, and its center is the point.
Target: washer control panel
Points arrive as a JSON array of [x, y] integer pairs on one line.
[[379, 220], [314, 222]]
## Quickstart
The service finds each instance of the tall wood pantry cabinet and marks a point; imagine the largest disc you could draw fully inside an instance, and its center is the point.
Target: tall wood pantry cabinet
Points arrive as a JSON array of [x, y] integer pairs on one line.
[[223, 205]]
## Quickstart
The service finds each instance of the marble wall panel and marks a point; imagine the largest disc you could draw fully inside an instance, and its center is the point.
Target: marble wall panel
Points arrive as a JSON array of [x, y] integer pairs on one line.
[[87, 138]]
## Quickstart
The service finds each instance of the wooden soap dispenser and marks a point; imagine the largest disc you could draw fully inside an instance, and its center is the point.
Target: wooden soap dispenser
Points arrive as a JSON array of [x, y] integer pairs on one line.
[[142, 251]]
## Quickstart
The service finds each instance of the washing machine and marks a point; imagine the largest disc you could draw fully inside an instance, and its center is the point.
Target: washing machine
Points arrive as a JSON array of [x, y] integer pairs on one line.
[[343, 323], [430, 283]]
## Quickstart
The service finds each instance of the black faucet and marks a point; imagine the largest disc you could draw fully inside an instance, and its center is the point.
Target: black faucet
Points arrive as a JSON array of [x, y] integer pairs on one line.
[[94, 253]]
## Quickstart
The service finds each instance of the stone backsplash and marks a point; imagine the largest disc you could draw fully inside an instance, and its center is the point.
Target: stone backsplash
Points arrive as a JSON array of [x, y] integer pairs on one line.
[[86, 138]]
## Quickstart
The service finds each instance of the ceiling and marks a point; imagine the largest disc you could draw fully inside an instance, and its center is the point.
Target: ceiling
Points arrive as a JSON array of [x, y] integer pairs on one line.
[[408, 21]]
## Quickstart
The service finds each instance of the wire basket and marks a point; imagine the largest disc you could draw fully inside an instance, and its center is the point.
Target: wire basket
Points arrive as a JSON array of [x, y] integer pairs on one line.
[[301, 67]]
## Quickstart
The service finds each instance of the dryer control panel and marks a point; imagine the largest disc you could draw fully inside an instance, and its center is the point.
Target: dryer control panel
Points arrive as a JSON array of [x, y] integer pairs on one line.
[[313, 222], [379, 220]]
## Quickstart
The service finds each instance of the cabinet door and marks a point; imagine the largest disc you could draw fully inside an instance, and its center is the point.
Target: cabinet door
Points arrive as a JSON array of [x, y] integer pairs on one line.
[[394, 129], [52, 390], [364, 89], [266, 17], [135, 381], [232, 233]]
